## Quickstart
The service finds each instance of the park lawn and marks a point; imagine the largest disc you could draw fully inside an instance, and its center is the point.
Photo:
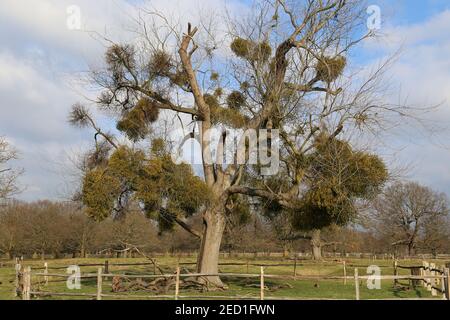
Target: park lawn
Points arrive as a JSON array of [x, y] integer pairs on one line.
[[243, 287], [7, 275]]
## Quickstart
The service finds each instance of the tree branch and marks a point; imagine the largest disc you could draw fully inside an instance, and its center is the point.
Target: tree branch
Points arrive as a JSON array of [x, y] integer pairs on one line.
[[172, 217]]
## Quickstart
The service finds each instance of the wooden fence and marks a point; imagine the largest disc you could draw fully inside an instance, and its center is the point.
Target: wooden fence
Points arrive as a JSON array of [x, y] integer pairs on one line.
[[259, 254], [295, 264], [429, 275], [301, 255], [434, 278]]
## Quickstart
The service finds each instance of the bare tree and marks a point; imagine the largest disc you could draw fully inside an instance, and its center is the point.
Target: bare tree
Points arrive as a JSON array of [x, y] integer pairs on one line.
[[405, 212], [81, 233], [47, 227], [436, 234], [8, 175], [12, 229]]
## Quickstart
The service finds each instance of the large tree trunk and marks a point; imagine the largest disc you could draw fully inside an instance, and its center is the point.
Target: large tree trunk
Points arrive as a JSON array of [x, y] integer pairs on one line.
[[287, 249], [411, 249], [83, 250], [208, 259], [316, 245]]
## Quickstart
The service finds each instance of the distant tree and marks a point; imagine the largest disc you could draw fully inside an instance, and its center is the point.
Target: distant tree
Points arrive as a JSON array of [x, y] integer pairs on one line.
[[132, 231], [284, 231], [47, 228], [12, 229], [82, 233], [435, 235], [406, 213], [8, 175], [249, 233]]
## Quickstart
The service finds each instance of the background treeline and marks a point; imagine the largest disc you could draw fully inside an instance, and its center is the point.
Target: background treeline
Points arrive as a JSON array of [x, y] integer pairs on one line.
[[60, 229]]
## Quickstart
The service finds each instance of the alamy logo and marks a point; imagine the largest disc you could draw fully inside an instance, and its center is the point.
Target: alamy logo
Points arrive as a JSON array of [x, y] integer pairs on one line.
[[225, 147], [374, 280], [74, 17], [374, 20], [74, 280]]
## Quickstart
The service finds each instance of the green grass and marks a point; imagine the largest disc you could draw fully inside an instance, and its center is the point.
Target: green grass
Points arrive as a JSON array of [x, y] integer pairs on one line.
[[248, 287]]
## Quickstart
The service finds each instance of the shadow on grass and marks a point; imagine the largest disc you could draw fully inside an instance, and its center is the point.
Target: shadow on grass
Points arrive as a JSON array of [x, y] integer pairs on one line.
[[400, 290]]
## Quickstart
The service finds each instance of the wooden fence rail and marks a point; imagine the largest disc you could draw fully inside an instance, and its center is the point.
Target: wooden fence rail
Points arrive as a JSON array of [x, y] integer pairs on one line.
[[25, 286], [434, 279]]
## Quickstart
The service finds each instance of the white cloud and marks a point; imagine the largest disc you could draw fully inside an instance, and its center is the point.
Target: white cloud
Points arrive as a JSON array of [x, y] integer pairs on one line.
[[45, 21], [32, 105], [34, 116], [39, 52], [38, 59], [421, 76]]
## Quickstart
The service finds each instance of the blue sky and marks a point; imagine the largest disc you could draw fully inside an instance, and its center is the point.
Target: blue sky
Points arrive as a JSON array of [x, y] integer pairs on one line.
[[39, 56], [413, 11]]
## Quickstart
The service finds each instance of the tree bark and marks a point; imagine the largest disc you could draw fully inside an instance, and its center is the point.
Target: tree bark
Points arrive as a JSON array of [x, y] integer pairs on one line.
[[410, 249], [316, 245], [287, 249], [83, 250], [208, 259]]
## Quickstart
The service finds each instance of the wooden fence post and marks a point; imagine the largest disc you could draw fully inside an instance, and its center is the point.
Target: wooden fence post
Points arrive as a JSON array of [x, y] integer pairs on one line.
[[345, 271], [177, 284], [18, 268], [356, 284], [395, 272], [262, 284], [106, 267], [442, 280], [433, 280], [99, 283], [447, 283], [154, 266], [295, 267], [427, 274], [46, 273], [247, 266], [26, 294], [424, 282]]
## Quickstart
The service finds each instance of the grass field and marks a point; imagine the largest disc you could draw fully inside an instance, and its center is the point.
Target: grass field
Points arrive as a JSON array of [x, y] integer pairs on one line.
[[297, 289]]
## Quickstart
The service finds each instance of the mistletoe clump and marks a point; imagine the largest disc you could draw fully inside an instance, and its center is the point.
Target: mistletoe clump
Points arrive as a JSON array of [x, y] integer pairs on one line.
[[135, 123], [231, 115], [235, 100], [338, 176], [160, 64], [166, 191], [99, 193], [120, 59], [251, 51], [330, 68]]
